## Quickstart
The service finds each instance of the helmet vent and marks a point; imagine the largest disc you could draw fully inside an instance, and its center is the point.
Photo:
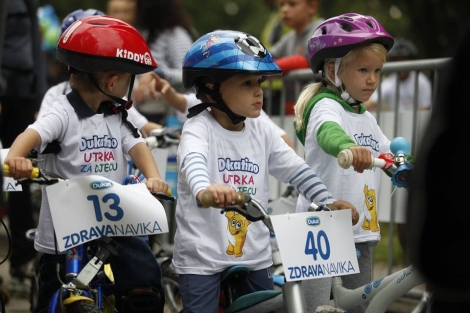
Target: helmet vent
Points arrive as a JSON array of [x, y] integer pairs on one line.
[[370, 24], [251, 45], [346, 27]]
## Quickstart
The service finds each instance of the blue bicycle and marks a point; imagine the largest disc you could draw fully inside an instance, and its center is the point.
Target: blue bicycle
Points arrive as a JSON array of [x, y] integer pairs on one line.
[[89, 284]]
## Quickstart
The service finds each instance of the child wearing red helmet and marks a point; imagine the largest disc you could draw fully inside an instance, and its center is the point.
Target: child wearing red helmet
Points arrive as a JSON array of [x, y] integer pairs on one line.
[[103, 55]]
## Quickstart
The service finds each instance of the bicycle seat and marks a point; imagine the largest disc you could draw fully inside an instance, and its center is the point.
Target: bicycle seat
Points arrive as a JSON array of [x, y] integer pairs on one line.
[[234, 275]]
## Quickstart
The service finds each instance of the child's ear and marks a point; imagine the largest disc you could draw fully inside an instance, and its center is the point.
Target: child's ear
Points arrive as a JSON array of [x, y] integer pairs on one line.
[[211, 87], [111, 82], [330, 71]]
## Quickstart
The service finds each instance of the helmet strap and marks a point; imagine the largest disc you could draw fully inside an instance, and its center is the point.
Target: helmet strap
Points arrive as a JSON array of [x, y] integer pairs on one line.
[[220, 103], [339, 84], [124, 105]]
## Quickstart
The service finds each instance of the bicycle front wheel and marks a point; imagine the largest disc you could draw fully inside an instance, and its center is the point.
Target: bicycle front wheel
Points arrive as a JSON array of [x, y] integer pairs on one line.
[[173, 302]]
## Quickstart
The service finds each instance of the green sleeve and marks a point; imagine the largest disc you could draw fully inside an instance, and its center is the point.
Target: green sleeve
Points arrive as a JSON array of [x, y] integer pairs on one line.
[[332, 138]]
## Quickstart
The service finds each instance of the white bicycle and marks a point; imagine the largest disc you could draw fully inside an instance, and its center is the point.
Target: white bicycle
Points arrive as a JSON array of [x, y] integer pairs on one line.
[[383, 292]]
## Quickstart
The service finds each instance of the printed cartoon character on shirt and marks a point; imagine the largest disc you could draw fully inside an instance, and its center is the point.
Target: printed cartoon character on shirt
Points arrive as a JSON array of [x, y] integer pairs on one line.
[[371, 220], [237, 229]]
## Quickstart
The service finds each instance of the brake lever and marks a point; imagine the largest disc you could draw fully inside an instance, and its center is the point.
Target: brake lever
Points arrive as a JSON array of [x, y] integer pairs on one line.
[[163, 196], [44, 178], [249, 210]]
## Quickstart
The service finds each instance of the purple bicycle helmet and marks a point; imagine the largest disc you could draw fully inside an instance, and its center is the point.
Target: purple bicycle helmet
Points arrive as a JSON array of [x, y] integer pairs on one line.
[[335, 37], [77, 15]]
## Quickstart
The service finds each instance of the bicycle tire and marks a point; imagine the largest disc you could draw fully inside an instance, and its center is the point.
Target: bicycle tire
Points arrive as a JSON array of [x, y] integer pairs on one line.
[[34, 289], [82, 306], [173, 301]]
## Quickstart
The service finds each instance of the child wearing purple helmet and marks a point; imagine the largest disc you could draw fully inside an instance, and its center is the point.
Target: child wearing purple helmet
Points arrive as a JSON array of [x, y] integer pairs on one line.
[[350, 51]]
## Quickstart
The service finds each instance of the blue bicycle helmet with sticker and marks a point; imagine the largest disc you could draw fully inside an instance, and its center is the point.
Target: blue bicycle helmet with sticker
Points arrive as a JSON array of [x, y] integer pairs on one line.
[[77, 15], [222, 54]]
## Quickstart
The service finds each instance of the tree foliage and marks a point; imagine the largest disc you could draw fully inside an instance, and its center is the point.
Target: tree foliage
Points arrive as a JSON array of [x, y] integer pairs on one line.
[[434, 25]]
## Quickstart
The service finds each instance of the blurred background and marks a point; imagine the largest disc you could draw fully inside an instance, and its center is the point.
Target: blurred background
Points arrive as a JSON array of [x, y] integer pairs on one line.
[[434, 25]]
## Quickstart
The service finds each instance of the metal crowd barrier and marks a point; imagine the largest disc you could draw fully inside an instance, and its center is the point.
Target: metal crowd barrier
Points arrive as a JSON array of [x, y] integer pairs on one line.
[[410, 124]]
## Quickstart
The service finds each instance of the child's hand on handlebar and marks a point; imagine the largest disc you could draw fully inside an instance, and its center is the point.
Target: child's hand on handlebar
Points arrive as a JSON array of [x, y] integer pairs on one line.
[[221, 195], [362, 158], [20, 167], [341, 205], [156, 185]]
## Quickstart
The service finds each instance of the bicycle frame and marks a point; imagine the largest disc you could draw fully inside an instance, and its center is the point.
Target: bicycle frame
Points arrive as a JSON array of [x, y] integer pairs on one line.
[[99, 287], [380, 294]]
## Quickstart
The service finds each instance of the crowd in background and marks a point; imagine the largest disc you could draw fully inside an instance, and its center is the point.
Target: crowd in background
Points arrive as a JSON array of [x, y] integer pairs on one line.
[[29, 68]]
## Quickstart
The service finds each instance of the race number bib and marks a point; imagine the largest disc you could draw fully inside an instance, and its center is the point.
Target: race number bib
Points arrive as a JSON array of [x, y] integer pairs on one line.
[[316, 244], [89, 207]]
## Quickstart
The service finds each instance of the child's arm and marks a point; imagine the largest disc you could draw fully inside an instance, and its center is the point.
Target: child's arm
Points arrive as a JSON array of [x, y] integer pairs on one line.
[[195, 170], [333, 139], [143, 159], [169, 94], [20, 167]]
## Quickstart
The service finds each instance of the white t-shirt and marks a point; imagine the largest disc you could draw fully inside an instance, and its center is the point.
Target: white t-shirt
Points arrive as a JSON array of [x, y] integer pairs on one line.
[[243, 160], [91, 144], [407, 92], [192, 100], [361, 189], [63, 88]]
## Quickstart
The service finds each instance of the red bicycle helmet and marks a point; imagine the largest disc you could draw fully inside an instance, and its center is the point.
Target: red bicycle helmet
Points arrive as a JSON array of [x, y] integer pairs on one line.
[[335, 37], [99, 43]]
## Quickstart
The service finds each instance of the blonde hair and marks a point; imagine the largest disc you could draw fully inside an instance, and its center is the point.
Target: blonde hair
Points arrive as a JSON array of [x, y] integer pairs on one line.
[[311, 90]]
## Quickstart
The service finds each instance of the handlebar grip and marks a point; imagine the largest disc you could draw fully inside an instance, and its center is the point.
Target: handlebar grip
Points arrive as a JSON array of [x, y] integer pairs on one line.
[[207, 201], [6, 171], [345, 159]]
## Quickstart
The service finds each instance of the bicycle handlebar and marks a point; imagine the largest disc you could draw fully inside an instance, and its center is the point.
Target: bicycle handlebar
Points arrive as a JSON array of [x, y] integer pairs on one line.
[[385, 161], [251, 209], [46, 178], [164, 196], [6, 171], [394, 163], [163, 137]]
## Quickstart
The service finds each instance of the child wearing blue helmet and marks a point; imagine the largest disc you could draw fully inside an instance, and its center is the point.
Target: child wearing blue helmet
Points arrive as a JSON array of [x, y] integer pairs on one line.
[[225, 148]]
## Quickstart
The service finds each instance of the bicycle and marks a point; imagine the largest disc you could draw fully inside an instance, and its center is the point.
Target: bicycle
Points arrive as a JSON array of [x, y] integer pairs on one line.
[[290, 299], [284, 204], [383, 292], [89, 284], [162, 143]]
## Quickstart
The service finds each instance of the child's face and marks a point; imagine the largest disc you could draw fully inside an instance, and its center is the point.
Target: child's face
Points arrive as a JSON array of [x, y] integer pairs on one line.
[[297, 14], [120, 86], [361, 76], [243, 95], [122, 9]]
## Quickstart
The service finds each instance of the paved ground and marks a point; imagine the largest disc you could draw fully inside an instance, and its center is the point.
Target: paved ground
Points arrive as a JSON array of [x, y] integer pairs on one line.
[[19, 303]]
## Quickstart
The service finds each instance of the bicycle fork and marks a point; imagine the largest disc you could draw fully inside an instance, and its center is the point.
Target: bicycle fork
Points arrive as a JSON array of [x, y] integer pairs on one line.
[[293, 295]]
